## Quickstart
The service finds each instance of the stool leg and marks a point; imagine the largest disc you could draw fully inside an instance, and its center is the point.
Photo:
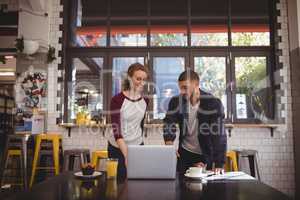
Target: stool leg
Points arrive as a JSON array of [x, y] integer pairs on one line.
[[56, 155], [66, 164], [234, 163], [22, 169], [256, 166], [24, 151], [3, 162], [5, 167], [35, 158], [94, 159], [251, 165]]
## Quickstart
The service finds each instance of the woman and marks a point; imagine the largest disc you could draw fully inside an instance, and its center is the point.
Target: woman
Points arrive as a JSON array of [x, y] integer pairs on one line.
[[128, 110]]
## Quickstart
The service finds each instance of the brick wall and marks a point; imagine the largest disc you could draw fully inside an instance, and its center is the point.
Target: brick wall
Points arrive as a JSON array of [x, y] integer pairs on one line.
[[275, 153]]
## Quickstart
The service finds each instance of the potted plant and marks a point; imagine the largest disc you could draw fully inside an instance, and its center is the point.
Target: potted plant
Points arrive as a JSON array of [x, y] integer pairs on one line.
[[51, 54], [20, 44], [2, 59]]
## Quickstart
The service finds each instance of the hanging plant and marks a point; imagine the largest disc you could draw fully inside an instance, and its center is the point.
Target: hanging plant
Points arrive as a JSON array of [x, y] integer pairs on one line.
[[2, 59], [20, 44], [51, 54]]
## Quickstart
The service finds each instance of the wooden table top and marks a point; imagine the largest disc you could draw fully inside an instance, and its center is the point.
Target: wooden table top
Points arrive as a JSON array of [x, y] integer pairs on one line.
[[67, 187]]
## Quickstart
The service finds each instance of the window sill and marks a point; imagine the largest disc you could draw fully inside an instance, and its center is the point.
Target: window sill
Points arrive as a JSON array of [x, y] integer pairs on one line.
[[228, 126]]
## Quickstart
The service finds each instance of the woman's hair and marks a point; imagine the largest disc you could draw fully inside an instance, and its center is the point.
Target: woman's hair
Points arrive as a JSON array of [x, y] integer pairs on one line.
[[133, 68]]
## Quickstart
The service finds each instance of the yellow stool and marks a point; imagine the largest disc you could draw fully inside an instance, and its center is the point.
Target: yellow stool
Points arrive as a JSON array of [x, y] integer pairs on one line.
[[11, 153], [16, 152], [231, 161], [54, 138], [98, 155]]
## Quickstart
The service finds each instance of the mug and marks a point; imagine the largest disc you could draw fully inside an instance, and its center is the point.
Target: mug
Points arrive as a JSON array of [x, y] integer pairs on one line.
[[195, 171]]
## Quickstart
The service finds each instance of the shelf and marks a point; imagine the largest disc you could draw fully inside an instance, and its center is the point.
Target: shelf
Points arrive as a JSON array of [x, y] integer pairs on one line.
[[69, 126], [229, 127]]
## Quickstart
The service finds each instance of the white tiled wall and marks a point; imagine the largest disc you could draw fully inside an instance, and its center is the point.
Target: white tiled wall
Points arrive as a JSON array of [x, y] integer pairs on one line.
[[275, 153]]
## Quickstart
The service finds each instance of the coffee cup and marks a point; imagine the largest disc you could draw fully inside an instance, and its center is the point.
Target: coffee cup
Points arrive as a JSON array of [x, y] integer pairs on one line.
[[195, 171]]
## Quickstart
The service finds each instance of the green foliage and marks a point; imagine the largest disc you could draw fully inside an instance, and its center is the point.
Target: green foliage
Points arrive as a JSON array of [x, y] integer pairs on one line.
[[249, 72], [51, 54], [2, 59], [251, 39], [171, 39]]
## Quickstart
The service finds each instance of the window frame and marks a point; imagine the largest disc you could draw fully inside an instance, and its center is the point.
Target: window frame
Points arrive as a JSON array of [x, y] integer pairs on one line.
[[108, 52]]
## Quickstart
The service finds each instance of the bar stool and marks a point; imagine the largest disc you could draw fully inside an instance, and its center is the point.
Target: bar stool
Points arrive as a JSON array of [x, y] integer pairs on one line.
[[251, 155], [10, 154], [73, 155], [99, 154], [16, 145], [50, 137], [231, 161]]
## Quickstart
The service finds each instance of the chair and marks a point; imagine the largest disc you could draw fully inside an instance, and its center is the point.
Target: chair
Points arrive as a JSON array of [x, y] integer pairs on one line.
[[231, 161], [99, 154], [16, 145], [75, 158], [54, 138], [251, 155]]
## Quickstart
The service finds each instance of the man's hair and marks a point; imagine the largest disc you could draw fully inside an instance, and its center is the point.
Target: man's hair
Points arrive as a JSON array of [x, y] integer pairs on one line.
[[188, 75]]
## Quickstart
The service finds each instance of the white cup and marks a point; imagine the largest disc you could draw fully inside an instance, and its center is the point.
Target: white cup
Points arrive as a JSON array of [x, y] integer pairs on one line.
[[195, 171]]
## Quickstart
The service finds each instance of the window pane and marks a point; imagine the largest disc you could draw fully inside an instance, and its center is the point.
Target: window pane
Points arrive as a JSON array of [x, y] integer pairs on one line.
[[209, 35], [134, 34], [168, 33], [209, 23], [250, 23], [165, 72], [212, 71], [88, 23], [252, 94], [120, 67], [85, 90]]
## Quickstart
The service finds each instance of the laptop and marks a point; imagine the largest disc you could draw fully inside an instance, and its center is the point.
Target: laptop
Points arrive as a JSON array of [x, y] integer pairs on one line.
[[151, 162]]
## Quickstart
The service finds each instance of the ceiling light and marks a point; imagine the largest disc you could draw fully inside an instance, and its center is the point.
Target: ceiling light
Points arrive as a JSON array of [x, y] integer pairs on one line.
[[7, 73]]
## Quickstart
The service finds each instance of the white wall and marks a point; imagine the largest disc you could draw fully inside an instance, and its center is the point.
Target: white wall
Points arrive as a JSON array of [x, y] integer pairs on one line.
[[33, 24]]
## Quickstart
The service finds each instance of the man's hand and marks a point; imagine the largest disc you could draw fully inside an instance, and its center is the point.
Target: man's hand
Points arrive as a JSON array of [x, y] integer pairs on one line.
[[171, 143]]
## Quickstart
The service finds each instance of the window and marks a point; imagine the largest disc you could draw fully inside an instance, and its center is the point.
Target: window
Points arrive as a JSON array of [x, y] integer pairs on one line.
[[212, 72], [250, 23], [209, 24], [166, 34], [120, 66], [229, 43], [85, 89], [252, 88], [165, 72]]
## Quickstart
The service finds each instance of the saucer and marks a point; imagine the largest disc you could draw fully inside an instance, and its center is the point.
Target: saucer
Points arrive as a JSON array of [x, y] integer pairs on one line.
[[200, 176], [94, 175]]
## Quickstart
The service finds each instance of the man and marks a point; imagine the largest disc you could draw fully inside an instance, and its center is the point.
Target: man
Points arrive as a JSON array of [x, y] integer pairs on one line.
[[200, 115]]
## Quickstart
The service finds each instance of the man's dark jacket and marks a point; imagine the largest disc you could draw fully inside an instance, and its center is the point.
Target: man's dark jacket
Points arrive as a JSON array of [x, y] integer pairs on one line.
[[211, 131]]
